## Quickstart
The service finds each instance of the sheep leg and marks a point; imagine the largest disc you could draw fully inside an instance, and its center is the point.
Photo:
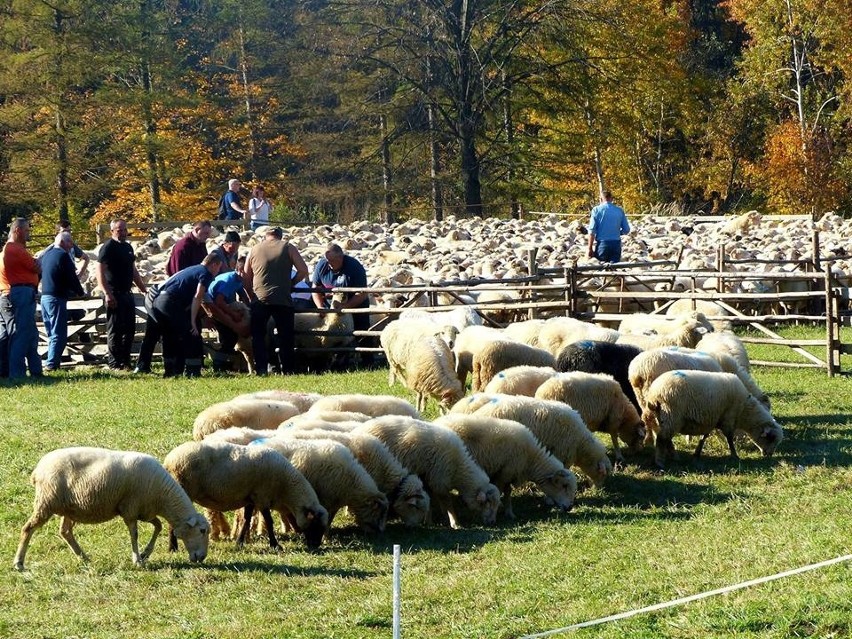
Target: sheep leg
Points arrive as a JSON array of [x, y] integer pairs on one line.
[[270, 528], [663, 450], [66, 531], [150, 547], [173, 545], [700, 446], [246, 524], [421, 402], [731, 447], [219, 526], [35, 522], [619, 457], [507, 502]]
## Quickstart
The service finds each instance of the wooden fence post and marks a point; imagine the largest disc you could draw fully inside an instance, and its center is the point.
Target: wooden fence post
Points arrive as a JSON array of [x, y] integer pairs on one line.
[[532, 269], [832, 326]]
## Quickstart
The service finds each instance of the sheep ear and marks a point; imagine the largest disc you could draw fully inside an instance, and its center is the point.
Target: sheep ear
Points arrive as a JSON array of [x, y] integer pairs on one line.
[[309, 514], [481, 497]]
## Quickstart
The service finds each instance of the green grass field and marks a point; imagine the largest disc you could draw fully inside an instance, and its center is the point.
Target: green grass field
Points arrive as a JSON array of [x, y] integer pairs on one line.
[[643, 538]]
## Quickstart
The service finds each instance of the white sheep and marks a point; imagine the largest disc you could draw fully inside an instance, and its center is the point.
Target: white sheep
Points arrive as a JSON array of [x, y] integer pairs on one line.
[[511, 456], [697, 402], [399, 338], [557, 332], [525, 332], [602, 405], [715, 314], [307, 421], [652, 324], [460, 317], [558, 427], [725, 343], [302, 401], [337, 477], [251, 413], [223, 477], [372, 405], [687, 333], [93, 485], [519, 380], [408, 500], [438, 456], [468, 342], [499, 355], [649, 365]]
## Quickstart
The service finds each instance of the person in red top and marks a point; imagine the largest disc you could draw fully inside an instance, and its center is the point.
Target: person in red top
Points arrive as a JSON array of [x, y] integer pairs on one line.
[[190, 249], [19, 275]]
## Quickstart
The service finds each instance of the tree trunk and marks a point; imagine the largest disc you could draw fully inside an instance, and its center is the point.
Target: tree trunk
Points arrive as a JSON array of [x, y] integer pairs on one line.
[[148, 115], [509, 129], [247, 97], [386, 169], [59, 127], [435, 167]]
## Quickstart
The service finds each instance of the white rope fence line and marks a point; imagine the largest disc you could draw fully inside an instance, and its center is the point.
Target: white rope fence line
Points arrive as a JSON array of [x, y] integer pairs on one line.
[[690, 598]]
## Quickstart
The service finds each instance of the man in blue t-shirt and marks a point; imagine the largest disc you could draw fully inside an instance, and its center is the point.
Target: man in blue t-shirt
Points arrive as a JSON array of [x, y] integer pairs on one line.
[[608, 223], [337, 270], [175, 313], [234, 208], [231, 322]]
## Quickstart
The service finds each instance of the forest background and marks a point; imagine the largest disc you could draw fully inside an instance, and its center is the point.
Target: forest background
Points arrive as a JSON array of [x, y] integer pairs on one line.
[[386, 109]]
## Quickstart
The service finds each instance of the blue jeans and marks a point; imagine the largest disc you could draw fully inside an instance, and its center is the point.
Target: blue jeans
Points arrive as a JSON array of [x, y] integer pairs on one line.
[[54, 314], [608, 251], [18, 312]]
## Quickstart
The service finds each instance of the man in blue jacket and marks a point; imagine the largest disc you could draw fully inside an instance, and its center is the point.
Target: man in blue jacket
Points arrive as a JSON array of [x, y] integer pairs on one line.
[[58, 282], [608, 223]]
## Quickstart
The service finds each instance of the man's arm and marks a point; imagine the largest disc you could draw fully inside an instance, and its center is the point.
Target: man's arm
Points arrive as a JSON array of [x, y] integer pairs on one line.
[[137, 279], [100, 274], [196, 306], [248, 280], [591, 244], [319, 298]]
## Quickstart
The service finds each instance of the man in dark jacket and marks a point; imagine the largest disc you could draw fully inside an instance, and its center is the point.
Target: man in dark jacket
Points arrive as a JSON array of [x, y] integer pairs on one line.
[[58, 282], [190, 249]]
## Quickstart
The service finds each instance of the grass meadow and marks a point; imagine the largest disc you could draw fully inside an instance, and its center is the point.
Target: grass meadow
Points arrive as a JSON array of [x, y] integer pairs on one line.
[[643, 538]]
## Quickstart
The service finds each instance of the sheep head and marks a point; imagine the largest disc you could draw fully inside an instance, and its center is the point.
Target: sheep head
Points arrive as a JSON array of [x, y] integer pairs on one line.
[[372, 515], [487, 502], [313, 522], [560, 488], [195, 534], [412, 503]]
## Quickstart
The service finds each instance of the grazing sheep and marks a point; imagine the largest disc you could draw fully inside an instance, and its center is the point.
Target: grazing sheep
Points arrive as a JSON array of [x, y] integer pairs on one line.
[[601, 357], [310, 333], [302, 401], [525, 332], [652, 324], [497, 356], [223, 477], [558, 427], [400, 338], [519, 380], [372, 405], [338, 479], [558, 332], [602, 405], [93, 485], [312, 422], [649, 365], [408, 500], [468, 342], [239, 435], [438, 456], [687, 333], [697, 402], [511, 455], [251, 413], [725, 343]]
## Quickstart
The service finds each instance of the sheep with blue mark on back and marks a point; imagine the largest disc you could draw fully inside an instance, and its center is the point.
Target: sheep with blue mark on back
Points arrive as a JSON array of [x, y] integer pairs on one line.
[[649, 365], [602, 405], [601, 357], [558, 427], [93, 485], [725, 343], [698, 402], [519, 380], [438, 456], [499, 355], [511, 456]]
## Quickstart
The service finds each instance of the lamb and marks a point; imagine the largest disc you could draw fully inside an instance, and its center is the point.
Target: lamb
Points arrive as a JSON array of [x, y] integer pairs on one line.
[[697, 402], [497, 356], [223, 477], [339, 480], [601, 357], [558, 427], [372, 405], [558, 332], [302, 401], [602, 405], [252, 413], [509, 453], [93, 485], [438, 456], [404, 490], [725, 343], [519, 380], [649, 365], [468, 342]]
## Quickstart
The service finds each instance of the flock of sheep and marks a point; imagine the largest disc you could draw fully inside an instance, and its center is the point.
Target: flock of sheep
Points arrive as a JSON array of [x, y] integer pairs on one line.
[[541, 389]]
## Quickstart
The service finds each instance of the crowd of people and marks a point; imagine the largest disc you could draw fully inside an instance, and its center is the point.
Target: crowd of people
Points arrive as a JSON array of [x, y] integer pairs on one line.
[[239, 294]]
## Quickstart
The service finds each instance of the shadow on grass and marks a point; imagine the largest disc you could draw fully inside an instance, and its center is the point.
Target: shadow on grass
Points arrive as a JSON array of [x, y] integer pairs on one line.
[[824, 439], [259, 566]]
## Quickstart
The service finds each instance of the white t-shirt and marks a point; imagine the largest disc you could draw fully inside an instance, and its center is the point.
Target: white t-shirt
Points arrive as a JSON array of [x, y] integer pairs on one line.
[[259, 210]]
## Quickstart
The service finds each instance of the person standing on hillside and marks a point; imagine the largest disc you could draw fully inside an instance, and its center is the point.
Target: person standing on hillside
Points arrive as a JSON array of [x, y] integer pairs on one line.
[[190, 249], [268, 283], [117, 273], [259, 208], [608, 223], [19, 275], [233, 205], [76, 252], [59, 282]]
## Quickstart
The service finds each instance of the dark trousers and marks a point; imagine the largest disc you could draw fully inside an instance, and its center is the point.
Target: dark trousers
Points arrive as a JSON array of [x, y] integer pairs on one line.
[[182, 351], [283, 318], [121, 327], [608, 251]]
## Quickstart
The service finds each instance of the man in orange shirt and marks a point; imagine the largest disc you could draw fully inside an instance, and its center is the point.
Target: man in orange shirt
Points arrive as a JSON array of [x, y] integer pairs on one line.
[[19, 275]]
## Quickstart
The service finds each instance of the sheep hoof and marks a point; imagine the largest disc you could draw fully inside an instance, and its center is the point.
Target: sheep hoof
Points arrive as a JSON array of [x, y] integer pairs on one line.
[[19, 566]]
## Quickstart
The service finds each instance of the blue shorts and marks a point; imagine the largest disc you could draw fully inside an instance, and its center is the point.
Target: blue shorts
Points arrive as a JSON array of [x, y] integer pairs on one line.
[[608, 251]]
